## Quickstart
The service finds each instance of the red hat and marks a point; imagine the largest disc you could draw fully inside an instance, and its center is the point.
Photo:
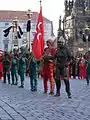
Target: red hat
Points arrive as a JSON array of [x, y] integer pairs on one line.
[[50, 42]]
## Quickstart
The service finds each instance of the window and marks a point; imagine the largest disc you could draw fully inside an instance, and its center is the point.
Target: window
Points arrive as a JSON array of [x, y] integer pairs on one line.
[[5, 46], [6, 24]]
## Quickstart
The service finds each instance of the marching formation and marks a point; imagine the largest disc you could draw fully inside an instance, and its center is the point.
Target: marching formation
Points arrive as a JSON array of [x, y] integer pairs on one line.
[[54, 65]]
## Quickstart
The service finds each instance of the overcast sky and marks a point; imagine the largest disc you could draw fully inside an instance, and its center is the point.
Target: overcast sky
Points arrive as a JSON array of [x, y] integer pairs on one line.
[[52, 9]]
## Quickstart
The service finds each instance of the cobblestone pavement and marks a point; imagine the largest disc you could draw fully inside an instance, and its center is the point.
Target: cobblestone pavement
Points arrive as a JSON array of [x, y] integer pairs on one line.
[[22, 104]]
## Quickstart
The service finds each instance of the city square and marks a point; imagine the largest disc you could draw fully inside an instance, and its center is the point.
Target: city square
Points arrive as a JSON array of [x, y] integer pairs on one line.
[[45, 60]]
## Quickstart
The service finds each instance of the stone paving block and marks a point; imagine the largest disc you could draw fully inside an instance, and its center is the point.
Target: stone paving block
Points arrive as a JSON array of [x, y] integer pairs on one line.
[[3, 114], [37, 106]]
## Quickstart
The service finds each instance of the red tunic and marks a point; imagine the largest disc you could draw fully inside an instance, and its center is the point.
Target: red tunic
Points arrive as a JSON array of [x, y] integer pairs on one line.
[[84, 70], [81, 70], [48, 70]]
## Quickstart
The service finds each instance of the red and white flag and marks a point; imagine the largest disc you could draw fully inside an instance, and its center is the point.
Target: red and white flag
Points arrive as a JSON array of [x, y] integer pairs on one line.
[[38, 42]]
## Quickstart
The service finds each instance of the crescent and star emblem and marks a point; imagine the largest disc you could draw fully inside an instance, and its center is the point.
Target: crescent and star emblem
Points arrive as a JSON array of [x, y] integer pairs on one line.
[[39, 25], [39, 29], [38, 35]]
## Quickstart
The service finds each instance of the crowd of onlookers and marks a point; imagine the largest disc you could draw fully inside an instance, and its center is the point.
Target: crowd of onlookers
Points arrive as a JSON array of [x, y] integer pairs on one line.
[[77, 67]]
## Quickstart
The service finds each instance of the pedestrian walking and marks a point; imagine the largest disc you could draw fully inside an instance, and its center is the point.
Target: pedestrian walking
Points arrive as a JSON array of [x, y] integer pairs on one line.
[[62, 57], [33, 72], [48, 67]]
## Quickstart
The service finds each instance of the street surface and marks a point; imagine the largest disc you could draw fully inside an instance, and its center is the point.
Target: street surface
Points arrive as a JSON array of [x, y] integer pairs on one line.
[[22, 104]]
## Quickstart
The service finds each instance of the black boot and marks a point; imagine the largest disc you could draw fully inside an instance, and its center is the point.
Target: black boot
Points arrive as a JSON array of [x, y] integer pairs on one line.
[[4, 81], [21, 86], [58, 86], [51, 93], [67, 85], [12, 82], [8, 81], [69, 95], [87, 83], [57, 94], [8, 75]]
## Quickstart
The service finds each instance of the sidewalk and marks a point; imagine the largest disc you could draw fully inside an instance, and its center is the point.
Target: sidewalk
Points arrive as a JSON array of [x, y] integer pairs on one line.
[[22, 104]]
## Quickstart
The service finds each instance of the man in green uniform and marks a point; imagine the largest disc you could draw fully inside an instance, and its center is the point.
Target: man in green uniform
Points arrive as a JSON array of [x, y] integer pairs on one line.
[[88, 67], [14, 67], [33, 71], [21, 66]]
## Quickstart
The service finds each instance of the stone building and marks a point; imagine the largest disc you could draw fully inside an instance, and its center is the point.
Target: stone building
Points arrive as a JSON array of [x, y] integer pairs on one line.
[[6, 20], [76, 20]]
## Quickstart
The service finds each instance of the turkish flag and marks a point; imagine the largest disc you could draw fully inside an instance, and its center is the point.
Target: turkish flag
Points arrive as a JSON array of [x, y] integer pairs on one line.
[[38, 42]]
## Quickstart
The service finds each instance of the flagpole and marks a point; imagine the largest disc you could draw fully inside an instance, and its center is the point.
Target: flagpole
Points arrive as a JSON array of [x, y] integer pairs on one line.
[[15, 22], [29, 27], [12, 35], [40, 3], [12, 40]]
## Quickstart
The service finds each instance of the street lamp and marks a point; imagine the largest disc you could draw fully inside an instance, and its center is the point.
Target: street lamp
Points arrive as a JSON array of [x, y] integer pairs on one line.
[[28, 27]]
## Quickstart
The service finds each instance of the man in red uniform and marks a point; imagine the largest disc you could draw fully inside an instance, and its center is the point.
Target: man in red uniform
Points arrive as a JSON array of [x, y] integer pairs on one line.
[[49, 65]]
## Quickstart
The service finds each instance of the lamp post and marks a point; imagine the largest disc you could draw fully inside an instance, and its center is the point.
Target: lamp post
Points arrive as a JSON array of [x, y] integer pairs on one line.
[[28, 27]]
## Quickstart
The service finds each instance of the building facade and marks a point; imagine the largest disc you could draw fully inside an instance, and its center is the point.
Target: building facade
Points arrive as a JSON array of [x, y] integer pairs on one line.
[[76, 19], [6, 20]]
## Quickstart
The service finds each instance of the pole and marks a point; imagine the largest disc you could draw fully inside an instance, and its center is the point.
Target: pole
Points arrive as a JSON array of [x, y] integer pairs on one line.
[[16, 24], [15, 34], [28, 28], [12, 42], [12, 35], [40, 3]]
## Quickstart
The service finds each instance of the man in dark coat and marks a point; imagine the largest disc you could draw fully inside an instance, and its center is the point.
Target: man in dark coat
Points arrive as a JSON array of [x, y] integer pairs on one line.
[[62, 57], [6, 66], [87, 62]]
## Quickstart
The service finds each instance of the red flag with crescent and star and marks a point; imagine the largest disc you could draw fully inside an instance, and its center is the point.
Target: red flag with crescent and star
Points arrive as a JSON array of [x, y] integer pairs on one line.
[[38, 42]]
